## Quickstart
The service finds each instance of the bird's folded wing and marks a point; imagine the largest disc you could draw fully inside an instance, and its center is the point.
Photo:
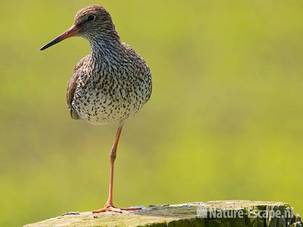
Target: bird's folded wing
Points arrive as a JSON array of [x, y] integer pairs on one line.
[[71, 88]]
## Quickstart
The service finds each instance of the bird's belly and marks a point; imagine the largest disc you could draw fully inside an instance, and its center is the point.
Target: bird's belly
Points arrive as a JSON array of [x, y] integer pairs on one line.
[[100, 108]]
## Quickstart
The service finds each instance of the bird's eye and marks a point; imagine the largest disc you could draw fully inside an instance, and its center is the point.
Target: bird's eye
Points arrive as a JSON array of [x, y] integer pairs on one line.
[[91, 18]]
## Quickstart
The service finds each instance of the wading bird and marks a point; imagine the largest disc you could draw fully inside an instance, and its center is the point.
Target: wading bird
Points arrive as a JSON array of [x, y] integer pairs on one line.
[[109, 85]]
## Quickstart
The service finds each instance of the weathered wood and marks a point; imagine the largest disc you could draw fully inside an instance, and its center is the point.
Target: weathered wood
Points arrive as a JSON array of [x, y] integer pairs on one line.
[[209, 214]]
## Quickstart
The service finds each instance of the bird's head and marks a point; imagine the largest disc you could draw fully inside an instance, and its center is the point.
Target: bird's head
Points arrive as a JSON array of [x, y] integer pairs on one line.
[[91, 22]]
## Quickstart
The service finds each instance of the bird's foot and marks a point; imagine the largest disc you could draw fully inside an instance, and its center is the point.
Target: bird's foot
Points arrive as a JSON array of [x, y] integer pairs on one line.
[[112, 208]]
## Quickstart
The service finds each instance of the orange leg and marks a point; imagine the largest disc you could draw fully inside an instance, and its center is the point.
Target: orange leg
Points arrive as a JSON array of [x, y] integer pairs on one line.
[[109, 206]]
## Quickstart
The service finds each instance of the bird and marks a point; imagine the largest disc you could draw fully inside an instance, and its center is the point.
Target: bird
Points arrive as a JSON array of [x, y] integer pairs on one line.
[[109, 85]]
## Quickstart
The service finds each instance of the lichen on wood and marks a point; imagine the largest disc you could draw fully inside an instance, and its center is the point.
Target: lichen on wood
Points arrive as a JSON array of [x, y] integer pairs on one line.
[[208, 214]]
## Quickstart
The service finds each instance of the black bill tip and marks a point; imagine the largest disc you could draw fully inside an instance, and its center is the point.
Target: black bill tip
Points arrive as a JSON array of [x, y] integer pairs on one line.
[[51, 43]]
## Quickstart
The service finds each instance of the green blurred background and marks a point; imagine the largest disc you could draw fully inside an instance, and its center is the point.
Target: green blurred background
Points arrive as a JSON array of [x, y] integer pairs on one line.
[[225, 120]]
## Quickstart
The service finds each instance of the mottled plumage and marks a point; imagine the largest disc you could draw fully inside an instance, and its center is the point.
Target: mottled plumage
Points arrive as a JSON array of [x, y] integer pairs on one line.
[[110, 84]]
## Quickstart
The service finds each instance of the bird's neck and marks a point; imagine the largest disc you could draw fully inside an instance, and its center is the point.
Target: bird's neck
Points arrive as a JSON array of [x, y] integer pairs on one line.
[[105, 46]]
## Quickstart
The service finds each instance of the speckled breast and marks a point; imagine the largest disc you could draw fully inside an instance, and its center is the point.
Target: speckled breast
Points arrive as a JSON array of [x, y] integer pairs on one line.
[[111, 98]]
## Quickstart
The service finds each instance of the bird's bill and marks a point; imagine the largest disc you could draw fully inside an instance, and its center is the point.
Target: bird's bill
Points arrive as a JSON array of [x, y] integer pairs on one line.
[[69, 33]]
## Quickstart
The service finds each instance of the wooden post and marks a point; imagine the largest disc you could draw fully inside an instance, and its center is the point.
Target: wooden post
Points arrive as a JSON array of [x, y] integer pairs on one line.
[[209, 214]]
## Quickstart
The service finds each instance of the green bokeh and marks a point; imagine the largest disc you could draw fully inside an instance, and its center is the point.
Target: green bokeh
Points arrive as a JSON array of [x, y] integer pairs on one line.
[[225, 120]]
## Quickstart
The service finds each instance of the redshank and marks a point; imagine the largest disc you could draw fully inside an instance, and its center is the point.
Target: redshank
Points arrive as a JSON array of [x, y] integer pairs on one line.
[[109, 85]]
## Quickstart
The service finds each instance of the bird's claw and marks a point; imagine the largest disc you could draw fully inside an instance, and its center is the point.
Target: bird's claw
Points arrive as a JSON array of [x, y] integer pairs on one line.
[[111, 208]]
